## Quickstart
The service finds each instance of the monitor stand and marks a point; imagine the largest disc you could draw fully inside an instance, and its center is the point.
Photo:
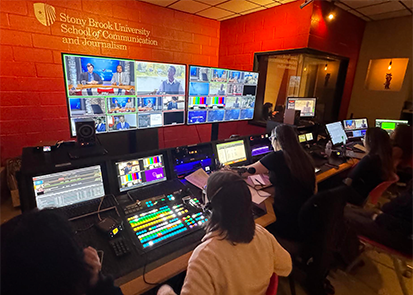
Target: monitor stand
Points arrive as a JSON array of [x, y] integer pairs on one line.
[[86, 152]]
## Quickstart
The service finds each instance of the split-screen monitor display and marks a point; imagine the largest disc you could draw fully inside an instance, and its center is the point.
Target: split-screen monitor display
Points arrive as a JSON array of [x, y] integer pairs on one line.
[[220, 95], [124, 94]]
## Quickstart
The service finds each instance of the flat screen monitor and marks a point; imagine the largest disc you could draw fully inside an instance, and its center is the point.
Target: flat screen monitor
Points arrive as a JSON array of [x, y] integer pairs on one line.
[[336, 132], [220, 95], [121, 95], [231, 152], [390, 125], [305, 137], [188, 159], [355, 128], [306, 106], [68, 187], [260, 145], [140, 172]]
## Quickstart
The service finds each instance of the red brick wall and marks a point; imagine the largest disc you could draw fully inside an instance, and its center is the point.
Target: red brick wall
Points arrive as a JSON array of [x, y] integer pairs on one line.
[[33, 103], [342, 36], [289, 27]]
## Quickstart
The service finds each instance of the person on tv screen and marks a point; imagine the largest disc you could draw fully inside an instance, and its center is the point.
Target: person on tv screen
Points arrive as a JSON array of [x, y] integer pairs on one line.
[[100, 127], [350, 124], [221, 91], [120, 78], [363, 124], [122, 125], [307, 108], [115, 104], [90, 77], [129, 104], [173, 104], [236, 104], [149, 105], [128, 168], [171, 86]]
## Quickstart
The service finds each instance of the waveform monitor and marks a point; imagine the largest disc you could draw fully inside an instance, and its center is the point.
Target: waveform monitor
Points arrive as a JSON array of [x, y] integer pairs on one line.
[[336, 132], [231, 152], [306, 106], [68, 187], [140, 172], [390, 125]]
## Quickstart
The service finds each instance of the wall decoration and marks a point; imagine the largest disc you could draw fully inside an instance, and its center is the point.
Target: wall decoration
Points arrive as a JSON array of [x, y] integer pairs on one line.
[[386, 74]]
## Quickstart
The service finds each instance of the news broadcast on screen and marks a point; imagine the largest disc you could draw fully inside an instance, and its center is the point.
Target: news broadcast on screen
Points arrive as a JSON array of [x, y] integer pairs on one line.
[[220, 95]]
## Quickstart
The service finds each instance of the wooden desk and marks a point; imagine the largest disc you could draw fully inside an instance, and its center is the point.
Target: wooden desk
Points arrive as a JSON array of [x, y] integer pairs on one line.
[[331, 172], [178, 265]]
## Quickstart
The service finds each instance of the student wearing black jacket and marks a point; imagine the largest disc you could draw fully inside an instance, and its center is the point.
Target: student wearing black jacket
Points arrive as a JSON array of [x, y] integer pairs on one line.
[[40, 256]]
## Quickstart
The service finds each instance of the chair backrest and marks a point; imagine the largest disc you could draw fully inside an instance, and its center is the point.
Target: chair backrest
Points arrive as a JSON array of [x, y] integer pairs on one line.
[[378, 191], [273, 286]]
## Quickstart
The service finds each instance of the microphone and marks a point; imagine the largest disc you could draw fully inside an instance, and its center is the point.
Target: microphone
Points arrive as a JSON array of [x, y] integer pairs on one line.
[[241, 170]]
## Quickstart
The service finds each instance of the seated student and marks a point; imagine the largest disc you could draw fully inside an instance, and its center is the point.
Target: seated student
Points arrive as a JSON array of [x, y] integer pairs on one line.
[[402, 146], [392, 226], [374, 168], [236, 256], [292, 173], [40, 256]]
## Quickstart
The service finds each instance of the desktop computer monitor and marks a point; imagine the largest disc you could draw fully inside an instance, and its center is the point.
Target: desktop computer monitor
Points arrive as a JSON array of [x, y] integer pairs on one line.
[[355, 128], [390, 125], [306, 106], [140, 172], [336, 132], [188, 159], [231, 152], [305, 137], [260, 145], [68, 187]]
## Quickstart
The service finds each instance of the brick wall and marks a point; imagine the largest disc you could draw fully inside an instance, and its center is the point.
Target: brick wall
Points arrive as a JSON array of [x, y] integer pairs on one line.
[[33, 102]]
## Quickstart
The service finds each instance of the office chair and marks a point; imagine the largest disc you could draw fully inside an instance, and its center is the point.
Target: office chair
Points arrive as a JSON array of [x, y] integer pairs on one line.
[[320, 219], [273, 286], [378, 191]]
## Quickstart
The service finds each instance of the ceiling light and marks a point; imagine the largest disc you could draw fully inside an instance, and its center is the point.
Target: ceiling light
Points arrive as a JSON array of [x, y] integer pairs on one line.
[[390, 63], [325, 68], [331, 16]]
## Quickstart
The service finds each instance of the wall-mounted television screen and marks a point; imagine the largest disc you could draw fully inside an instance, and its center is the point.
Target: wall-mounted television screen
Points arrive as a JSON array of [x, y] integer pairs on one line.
[[121, 94], [220, 95]]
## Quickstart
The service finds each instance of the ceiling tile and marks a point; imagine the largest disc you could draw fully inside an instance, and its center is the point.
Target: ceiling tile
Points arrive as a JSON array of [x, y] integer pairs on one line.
[[342, 6], [252, 10], [392, 14], [361, 3], [228, 17], [262, 2], [285, 1], [160, 2], [189, 6], [408, 3], [238, 5], [381, 8], [355, 12], [215, 13], [212, 2], [272, 5]]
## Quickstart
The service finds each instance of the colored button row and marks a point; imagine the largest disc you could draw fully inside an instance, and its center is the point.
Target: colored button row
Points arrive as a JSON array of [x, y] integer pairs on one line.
[[161, 232], [164, 237], [153, 222]]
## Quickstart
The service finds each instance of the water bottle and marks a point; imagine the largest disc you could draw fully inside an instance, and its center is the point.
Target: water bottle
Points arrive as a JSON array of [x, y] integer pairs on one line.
[[328, 149]]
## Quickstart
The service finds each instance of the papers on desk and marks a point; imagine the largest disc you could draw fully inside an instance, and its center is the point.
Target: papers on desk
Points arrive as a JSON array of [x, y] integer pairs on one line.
[[258, 196], [360, 147], [199, 178], [355, 155], [259, 181]]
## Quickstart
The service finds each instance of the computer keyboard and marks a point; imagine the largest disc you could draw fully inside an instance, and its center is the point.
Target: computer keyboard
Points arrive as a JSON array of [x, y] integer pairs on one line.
[[89, 207]]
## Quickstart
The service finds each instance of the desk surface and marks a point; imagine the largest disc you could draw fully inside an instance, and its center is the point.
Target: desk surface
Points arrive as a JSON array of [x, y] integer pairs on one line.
[[179, 264]]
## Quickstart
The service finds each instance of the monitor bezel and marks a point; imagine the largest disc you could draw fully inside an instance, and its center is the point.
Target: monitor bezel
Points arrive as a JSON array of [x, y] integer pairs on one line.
[[135, 156], [246, 148], [304, 98], [31, 203], [206, 119], [63, 54]]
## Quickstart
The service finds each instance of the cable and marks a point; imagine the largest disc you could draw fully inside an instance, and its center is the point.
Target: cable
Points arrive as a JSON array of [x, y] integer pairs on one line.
[[84, 229], [144, 271], [197, 132]]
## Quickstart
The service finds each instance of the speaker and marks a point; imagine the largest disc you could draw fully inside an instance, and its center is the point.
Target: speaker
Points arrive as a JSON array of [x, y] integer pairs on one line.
[[85, 132]]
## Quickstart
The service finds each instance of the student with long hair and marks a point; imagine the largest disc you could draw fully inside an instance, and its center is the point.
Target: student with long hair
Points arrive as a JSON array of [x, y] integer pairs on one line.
[[402, 140], [292, 173], [374, 168], [236, 256], [39, 255]]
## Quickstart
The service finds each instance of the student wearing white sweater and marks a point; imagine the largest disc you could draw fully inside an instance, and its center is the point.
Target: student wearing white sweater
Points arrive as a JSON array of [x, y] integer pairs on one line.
[[236, 256]]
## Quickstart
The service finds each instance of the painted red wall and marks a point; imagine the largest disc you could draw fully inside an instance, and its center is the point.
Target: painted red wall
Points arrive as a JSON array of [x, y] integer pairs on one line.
[[341, 36], [289, 27], [33, 103]]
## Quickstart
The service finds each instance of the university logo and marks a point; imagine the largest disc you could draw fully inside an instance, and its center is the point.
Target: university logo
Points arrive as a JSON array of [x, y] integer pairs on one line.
[[44, 13]]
